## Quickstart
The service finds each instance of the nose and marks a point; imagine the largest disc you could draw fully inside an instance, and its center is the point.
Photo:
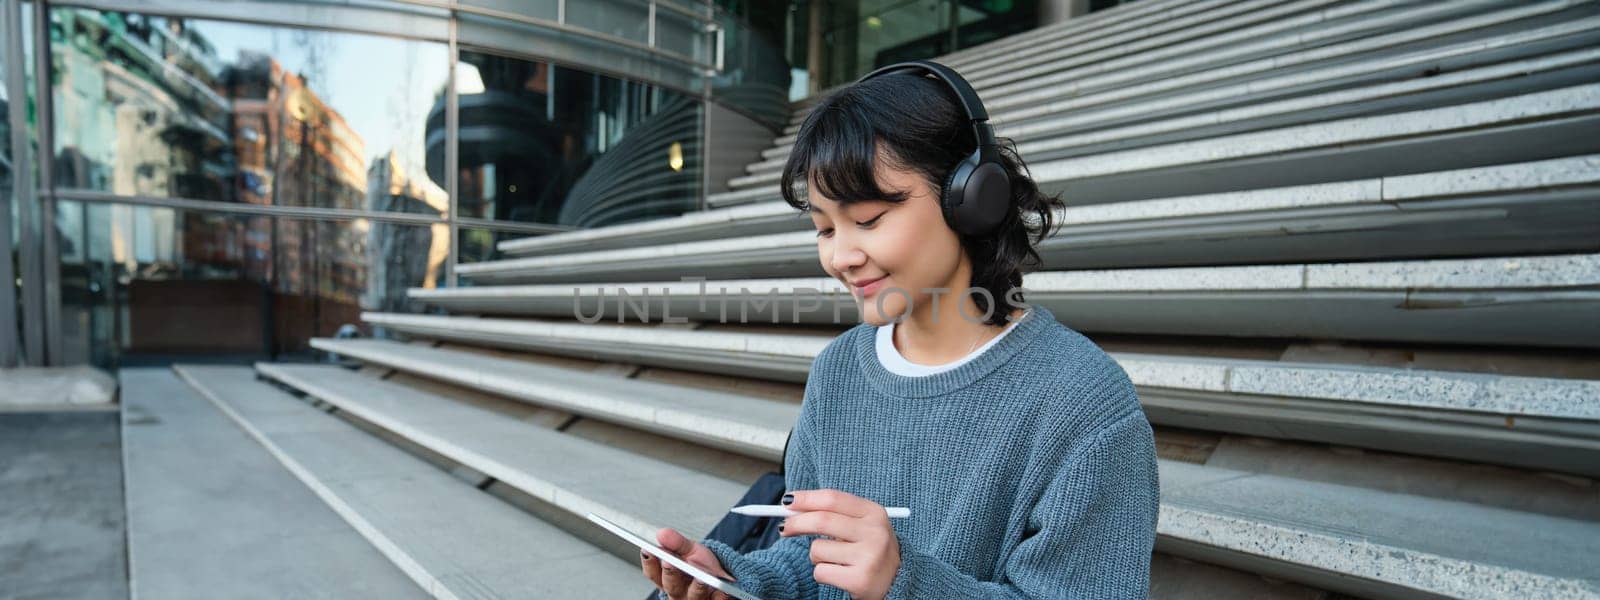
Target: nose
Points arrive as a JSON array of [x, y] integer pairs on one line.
[[846, 253]]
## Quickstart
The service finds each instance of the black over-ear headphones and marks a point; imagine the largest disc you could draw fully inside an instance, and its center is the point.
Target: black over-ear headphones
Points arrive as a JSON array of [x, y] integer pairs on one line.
[[977, 194]]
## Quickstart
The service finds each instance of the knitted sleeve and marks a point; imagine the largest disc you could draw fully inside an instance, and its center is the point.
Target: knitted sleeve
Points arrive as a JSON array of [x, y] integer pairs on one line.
[[783, 570], [1089, 535]]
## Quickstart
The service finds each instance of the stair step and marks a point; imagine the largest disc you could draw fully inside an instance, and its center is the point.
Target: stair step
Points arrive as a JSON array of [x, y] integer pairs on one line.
[[1078, 29], [1535, 300], [761, 217], [574, 475], [1372, 542], [1534, 422], [1367, 540], [731, 422], [211, 514], [452, 539], [1380, 82], [1184, 52], [1173, 26], [1541, 206], [1448, 137], [1065, 87]]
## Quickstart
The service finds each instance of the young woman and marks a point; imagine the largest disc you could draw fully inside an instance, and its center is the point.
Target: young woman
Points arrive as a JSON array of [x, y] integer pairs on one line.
[[1017, 444]]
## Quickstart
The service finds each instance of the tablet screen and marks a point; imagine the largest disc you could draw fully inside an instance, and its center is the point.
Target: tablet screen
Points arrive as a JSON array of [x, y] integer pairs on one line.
[[718, 583]]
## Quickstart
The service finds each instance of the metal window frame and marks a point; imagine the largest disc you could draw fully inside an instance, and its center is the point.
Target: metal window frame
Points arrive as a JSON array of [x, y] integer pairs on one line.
[[452, 139], [29, 295], [10, 31], [44, 109], [430, 21]]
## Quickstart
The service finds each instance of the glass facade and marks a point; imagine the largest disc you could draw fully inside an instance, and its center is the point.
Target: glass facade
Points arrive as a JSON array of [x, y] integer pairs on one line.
[[158, 280], [239, 177], [232, 112], [854, 37], [236, 185], [548, 144]]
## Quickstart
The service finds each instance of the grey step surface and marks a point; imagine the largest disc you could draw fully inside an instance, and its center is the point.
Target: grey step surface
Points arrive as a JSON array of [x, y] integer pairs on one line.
[[1537, 207], [457, 432], [1540, 300], [1207, 31], [1533, 422], [1340, 22], [452, 539], [1500, 130], [730, 422], [61, 507], [1172, 68], [1378, 82], [1375, 540], [1077, 29], [736, 197], [762, 217], [575, 475], [211, 514]]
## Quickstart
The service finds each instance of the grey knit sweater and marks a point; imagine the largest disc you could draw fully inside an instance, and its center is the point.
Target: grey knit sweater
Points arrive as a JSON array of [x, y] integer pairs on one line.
[[1030, 471]]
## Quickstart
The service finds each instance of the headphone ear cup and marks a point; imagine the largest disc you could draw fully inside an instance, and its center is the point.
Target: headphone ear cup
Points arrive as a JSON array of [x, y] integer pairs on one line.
[[976, 196], [951, 194]]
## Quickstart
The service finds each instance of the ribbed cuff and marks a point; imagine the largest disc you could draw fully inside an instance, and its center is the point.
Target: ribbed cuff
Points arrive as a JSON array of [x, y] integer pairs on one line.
[[903, 587], [766, 579]]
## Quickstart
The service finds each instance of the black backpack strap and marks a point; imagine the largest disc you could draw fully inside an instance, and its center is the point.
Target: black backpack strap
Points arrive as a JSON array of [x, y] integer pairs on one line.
[[785, 452]]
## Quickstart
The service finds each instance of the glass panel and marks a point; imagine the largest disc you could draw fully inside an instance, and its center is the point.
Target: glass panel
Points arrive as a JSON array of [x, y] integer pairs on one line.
[[5, 122], [541, 9], [860, 35], [164, 106], [150, 280], [626, 19], [889, 31], [477, 244], [680, 34], [549, 144], [755, 79]]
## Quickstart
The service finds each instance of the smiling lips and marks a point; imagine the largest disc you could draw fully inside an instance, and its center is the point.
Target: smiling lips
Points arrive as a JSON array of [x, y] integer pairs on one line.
[[867, 287]]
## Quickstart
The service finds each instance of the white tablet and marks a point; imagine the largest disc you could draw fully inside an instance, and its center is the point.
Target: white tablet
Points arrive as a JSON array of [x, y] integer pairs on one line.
[[718, 583]]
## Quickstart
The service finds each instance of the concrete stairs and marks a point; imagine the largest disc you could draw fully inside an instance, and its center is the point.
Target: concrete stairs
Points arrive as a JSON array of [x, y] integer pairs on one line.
[[1348, 252]]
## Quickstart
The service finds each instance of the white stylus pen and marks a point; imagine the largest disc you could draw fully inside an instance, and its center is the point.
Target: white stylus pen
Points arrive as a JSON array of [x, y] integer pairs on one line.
[[779, 510]]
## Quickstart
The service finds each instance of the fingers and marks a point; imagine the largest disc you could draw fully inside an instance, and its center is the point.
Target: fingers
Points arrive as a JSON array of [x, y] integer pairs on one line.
[[837, 576], [834, 525], [651, 566], [827, 551], [832, 500], [675, 582], [699, 591], [673, 541]]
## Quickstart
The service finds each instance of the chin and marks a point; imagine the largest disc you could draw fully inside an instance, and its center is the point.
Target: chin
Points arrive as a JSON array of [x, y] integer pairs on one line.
[[870, 314]]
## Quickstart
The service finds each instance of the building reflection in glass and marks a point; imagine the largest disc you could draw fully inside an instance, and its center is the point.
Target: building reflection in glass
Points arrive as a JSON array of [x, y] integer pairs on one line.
[[548, 144], [232, 112], [155, 280], [236, 113]]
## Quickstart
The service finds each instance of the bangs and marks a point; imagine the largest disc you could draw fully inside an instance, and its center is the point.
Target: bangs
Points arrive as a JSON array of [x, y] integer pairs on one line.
[[837, 148]]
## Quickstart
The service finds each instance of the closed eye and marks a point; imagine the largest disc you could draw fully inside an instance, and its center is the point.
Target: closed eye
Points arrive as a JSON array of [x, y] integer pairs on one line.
[[868, 223]]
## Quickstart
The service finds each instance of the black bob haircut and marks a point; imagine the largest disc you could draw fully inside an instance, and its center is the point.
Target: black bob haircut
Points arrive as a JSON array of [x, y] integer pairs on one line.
[[922, 128]]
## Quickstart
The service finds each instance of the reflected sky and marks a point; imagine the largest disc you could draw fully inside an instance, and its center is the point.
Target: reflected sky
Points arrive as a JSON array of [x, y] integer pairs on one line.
[[382, 86]]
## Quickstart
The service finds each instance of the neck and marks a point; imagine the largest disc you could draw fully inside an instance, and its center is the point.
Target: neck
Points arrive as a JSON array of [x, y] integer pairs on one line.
[[935, 337]]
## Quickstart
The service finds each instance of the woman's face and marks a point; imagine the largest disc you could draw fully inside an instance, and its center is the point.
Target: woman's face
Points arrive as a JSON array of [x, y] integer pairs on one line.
[[908, 245]]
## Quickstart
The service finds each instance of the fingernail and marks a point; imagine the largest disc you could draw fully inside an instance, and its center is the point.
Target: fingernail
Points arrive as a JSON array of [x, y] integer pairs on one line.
[[788, 499], [644, 555], [780, 528]]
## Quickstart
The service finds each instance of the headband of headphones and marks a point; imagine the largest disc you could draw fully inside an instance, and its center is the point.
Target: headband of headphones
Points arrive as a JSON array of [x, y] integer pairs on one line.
[[964, 93]]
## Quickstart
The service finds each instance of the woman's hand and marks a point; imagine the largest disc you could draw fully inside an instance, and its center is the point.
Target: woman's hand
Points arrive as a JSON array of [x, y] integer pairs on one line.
[[676, 584], [864, 554]]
